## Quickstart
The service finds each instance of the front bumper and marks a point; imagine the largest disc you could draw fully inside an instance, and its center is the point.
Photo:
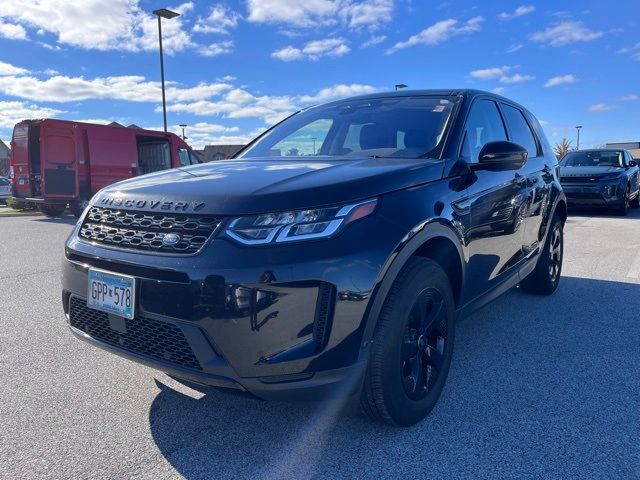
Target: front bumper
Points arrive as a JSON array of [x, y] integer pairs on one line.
[[281, 322], [601, 195]]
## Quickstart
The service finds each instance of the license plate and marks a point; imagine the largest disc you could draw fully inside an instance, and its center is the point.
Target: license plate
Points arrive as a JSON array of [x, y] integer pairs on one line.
[[112, 293]]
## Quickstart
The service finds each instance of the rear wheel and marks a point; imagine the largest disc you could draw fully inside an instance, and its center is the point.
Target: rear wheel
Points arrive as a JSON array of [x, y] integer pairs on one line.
[[51, 210], [412, 346], [545, 277], [78, 207]]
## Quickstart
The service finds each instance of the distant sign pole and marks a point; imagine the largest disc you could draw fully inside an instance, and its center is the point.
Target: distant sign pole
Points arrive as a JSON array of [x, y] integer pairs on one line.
[[168, 14], [578, 127]]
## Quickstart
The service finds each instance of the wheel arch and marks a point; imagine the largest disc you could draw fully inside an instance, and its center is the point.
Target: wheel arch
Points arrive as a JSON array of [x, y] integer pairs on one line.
[[437, 240]]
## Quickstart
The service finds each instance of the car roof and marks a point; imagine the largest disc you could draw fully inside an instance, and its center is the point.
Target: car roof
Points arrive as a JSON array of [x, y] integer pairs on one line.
[[452, 92]]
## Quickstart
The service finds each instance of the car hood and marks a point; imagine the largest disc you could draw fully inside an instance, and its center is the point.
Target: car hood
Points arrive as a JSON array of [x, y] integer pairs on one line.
[[248, 186], [595, 172]]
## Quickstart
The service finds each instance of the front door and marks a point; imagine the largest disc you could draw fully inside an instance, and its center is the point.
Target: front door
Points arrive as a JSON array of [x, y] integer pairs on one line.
[[496, 202]]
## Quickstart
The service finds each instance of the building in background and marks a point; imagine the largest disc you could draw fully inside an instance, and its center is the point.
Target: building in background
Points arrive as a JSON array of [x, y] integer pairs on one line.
[[633, 147], [218, 152], [4, 159]]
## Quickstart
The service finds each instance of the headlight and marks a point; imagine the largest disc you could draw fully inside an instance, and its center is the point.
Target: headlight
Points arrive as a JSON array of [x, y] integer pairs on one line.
[[298, 224]]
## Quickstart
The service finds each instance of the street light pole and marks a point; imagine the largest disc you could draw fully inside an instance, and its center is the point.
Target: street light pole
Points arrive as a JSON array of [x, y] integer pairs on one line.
[[578, 127], [168, 14], [183, 126], [398, 86]]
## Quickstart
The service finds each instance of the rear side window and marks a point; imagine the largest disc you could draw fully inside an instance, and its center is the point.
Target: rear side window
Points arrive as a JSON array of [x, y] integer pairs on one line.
[[484, 125], [520, 130]]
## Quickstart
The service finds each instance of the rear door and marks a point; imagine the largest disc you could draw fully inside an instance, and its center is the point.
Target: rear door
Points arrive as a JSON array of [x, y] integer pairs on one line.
[[535, 176], [59, 163], [20, 160]]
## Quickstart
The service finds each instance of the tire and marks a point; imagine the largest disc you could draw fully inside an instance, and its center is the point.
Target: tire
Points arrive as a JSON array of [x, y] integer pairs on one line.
[[51, 210], [545, 277], [412, 346], [622, 210], [78, 207], [635, 203]]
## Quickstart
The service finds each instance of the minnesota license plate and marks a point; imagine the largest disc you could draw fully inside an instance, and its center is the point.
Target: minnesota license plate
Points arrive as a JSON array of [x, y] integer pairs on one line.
[[112, 293]]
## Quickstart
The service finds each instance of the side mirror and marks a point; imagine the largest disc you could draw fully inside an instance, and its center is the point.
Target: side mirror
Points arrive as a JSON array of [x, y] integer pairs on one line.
[[632, 163], [502, 155]]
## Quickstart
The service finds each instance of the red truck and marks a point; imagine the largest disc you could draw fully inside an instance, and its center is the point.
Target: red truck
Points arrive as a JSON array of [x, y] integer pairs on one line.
[[55, 163]]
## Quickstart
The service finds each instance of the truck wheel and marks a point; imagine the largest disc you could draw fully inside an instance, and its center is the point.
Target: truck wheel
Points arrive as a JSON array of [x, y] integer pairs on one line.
[[51, 210], [412, 346], [545, 277], [78, 207]]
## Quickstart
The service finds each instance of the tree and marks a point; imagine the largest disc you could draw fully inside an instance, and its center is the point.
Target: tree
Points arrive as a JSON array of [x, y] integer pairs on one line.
[[562, 148]]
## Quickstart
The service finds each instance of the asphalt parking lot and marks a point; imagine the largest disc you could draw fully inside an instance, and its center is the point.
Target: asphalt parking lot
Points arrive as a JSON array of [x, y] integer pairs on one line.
[[539, 387]]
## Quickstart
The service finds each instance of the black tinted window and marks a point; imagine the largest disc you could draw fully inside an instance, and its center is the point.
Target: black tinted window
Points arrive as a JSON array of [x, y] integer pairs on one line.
[[4, 181], [519, 128], [484, 125], [593, 158]]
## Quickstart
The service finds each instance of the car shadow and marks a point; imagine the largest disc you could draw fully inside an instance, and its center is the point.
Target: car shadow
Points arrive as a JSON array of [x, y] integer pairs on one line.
[[538, 387], [69, 220]]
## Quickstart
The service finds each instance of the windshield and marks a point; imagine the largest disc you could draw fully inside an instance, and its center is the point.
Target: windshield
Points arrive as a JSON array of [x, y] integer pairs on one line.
[[4, 181], [404, 127], [604, 158]]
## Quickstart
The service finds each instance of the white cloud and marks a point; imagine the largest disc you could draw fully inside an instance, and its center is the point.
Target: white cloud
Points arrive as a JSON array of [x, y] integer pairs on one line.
[[498, 90], [634, 51], [338, 91], [560, 80], [500, 73], [11, 31], [14, 112], [215, 49], [518, 12], [320, 13], [516, 78], [220, 20], [565, 33], [514, 48], [439, 32], [314, 50], [131, 88], [119, 25], [600, 107], [8, 69], [490, 73], [629, 98], [374, 41]]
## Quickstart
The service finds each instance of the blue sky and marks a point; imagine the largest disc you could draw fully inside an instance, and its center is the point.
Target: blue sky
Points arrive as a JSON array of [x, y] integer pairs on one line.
[[236, 67]]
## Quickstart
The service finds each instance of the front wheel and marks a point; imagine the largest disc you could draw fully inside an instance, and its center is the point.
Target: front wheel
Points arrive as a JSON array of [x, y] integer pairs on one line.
[[412, 346], [545, 277], [622, 210]]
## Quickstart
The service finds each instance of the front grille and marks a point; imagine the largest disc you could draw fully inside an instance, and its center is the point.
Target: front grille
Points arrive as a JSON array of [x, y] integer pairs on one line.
[[147, 231], [144, 336], [580, 180]]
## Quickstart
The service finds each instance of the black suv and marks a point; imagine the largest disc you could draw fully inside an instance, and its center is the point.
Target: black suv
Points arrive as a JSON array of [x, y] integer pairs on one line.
[[332, 256]]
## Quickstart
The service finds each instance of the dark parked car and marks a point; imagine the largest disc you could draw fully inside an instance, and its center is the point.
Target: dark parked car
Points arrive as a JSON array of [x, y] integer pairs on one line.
[[332, 257], [600, 178]]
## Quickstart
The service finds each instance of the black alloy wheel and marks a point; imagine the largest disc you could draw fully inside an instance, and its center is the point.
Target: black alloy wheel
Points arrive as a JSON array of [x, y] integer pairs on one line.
[[423, 344]]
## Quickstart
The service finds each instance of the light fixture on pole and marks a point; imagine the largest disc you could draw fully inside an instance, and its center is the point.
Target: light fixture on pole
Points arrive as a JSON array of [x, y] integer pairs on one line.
[[400, 85], [578, 127], [183, 126], [168, 14]]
